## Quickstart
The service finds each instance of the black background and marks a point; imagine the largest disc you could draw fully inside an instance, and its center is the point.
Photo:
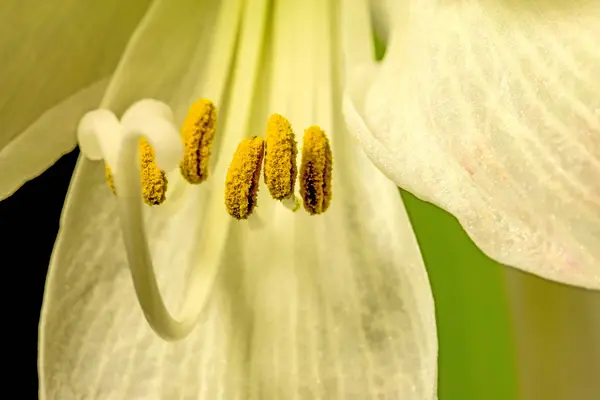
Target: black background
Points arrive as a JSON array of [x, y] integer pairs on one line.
[[29, 222]]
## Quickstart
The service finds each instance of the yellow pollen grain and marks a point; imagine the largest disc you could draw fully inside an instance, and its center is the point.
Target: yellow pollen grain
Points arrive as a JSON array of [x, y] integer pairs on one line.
[[243, 175], [197, 133], [280, 158], [316, 171], [109, 179], [154, 181]]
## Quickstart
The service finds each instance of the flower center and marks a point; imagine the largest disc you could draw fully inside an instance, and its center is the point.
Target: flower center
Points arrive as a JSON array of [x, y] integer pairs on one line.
[[145, 149]]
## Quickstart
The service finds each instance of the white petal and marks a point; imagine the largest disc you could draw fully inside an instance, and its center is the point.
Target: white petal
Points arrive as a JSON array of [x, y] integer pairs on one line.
[[494, 115], [51, 136], [51, 55], [336, 307]]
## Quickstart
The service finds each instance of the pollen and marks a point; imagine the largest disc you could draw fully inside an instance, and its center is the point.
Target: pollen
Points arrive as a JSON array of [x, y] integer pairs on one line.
[[243, 176], [280, 158], [198, 132], [316, 171], [109, 179], [154, 181]]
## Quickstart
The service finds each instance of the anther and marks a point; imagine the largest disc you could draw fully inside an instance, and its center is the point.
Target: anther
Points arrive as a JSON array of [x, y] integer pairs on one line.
[[109, 179], [316, 171], [280, 158], [198, 132], [243, 175], [154, 181]]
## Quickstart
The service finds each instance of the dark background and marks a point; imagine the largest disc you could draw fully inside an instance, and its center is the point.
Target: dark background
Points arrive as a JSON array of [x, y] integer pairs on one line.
[[29, 221]]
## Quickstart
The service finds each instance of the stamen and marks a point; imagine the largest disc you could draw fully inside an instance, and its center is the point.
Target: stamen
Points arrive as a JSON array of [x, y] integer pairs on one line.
[[198, 132], [316, 171], [243, 175], [280, 158], [154, 181]]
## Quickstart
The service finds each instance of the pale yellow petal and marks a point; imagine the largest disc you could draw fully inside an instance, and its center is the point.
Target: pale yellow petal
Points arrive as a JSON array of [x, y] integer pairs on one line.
[[46, 140], [54, 49]]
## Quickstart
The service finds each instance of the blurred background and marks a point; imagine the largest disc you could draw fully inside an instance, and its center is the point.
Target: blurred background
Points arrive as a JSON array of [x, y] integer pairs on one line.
[[503, 334]]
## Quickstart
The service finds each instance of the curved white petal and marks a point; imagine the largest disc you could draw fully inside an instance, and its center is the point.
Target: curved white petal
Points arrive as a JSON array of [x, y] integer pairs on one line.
[[335, 306], [51, 136], [491, 110], [52, 55]]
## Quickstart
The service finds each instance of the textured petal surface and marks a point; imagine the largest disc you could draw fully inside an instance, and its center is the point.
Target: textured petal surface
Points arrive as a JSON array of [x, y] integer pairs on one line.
[[51, 136], [336, 306], [491, 110], [53, 53]]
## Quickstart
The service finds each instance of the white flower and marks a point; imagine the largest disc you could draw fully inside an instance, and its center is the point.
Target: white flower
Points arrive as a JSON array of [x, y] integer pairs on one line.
[[329, 306], [491, 110]]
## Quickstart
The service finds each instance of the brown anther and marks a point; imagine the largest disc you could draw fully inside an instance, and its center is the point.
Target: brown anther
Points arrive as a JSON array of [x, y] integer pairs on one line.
[[316, 171]]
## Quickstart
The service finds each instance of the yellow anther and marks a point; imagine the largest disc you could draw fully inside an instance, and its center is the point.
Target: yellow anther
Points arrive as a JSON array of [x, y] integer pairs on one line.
[[154, 181], [241, 185], [198, 132], [280, 158], [109, 179], [316, 171]]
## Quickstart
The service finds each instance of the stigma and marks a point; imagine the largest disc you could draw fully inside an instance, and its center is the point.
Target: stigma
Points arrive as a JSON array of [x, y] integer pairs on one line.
[[243, 176], [149, 123], [316, 171], [197, 133]]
